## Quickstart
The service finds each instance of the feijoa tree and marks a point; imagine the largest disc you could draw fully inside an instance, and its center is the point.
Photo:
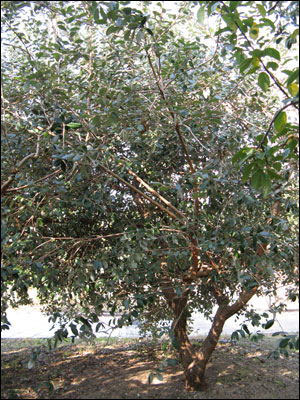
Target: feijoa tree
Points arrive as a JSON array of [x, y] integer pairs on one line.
[[121, 134]]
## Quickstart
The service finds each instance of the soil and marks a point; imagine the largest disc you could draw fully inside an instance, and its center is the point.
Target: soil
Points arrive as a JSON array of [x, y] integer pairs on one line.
[[120, 370]]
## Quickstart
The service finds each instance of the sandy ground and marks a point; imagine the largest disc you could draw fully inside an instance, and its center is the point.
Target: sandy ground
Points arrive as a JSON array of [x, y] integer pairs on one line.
[[121, 370]]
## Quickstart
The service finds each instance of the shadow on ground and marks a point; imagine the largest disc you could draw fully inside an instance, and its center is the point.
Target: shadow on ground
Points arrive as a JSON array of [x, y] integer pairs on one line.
[[121, 372]]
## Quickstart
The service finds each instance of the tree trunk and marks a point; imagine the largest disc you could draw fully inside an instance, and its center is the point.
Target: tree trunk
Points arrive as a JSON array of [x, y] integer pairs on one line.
[[194, 362]]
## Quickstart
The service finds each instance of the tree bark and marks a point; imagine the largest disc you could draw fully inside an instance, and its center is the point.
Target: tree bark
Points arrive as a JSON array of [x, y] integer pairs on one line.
[[194, 362]]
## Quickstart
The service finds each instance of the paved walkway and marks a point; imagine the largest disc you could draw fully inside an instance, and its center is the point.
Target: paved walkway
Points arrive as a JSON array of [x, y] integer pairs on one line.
[[29, 322]]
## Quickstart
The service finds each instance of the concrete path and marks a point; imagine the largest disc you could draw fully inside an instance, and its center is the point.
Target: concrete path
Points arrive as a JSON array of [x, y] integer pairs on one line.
[[29, 322]]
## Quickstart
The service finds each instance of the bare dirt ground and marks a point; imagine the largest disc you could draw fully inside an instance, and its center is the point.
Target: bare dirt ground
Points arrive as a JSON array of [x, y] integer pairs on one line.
[[120, 371]]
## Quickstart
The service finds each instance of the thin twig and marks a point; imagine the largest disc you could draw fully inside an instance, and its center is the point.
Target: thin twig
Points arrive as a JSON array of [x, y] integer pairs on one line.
[[271, 123]]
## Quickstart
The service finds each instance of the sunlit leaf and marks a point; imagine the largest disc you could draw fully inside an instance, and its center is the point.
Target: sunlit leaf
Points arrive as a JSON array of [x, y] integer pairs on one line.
[[272, 53], [201, 15], [261, 9], [293, 89], [280, 121], [254, 32]]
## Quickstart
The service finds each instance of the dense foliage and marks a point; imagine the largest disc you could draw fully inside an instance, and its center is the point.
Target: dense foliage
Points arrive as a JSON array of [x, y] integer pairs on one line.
[[149, 161]]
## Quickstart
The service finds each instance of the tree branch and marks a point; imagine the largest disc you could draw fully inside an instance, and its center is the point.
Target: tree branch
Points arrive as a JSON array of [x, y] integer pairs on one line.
[[265, 68], [271, 123], [162, 208], [6, 184], [151, 190]]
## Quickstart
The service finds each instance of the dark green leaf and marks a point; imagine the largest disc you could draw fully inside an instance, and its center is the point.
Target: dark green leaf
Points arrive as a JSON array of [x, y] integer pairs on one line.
[[269, 324], [74, 329], [246, 329], [235, 336], [258, 179], [264, 81], [284, 342], [159, 375], [272, 65], [150, 378], [172, 361], [247, 171]]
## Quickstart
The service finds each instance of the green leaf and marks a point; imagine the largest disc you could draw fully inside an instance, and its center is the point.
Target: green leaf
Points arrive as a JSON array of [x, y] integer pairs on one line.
[[294, 76], [74, 125], [150, 378], [112, 29], [233, 5], [267, 22], [269, 324], [261, 9], [49, 385], [254, 337], [172, 361], [277, 166], [254, 32], [201, 15], [284, 342], [74, 329], [264, 81], [159, 376], [245, 327], [247, 171], [280, 122], [245, 64], [267, 185], [258, 179], [255, 62], [242, 154], [149, 31], [103, 15], [125, 304], [272, 174], [234, 336], [276, 333], [140, 36], [77, 157], [269, 51], [127, 35], [30, 363], [293, 89], [272, 65]]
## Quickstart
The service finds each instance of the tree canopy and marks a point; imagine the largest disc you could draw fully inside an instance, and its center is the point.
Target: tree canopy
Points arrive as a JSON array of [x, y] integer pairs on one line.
[[149, 162]]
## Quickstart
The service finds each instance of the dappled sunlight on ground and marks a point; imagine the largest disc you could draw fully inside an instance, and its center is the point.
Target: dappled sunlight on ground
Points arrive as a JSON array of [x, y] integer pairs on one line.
[[121, 371]]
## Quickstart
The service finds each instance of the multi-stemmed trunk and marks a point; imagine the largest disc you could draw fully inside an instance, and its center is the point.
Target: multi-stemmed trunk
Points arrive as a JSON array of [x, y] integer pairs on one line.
[[194, 362]]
